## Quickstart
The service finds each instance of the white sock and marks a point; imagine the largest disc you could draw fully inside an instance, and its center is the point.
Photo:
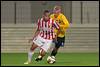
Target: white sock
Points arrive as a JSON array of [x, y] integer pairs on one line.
[[30, 54]]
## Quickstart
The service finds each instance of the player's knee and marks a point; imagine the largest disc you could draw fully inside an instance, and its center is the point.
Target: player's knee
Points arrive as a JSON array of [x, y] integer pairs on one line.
[[33, 47]]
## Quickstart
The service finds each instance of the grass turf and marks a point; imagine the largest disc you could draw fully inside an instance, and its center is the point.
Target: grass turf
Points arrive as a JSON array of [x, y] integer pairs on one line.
[[62, 59]]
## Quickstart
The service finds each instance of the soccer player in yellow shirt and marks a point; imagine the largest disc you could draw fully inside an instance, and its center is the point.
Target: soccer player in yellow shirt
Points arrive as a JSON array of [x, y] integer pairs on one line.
[[64, 24]]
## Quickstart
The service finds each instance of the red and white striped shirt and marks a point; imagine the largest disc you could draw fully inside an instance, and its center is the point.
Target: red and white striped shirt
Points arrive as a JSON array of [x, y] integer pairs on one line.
[[47, 28]]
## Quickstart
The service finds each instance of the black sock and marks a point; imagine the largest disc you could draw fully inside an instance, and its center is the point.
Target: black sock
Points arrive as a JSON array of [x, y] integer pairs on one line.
[[54, 52]]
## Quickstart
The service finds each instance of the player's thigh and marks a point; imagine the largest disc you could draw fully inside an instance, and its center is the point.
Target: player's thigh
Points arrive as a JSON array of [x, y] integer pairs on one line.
[[60, 42]]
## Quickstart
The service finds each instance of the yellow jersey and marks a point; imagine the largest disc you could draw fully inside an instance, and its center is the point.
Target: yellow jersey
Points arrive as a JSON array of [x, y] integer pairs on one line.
[[62, 21]]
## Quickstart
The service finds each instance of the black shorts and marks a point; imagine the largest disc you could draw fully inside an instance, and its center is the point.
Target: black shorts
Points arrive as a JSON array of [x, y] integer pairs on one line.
[[60, 41]]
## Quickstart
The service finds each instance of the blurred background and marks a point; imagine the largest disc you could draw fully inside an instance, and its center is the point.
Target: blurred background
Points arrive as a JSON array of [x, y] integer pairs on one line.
[[19, 18]]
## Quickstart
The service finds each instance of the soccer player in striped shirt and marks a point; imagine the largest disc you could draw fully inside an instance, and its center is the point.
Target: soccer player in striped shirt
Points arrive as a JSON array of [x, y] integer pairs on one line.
[[43, 36]]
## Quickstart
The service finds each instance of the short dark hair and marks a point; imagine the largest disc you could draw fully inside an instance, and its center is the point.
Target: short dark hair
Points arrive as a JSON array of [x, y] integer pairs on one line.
[[46, 11]]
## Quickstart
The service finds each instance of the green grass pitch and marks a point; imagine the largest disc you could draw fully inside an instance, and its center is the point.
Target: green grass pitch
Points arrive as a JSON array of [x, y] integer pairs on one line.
[[62, 59]]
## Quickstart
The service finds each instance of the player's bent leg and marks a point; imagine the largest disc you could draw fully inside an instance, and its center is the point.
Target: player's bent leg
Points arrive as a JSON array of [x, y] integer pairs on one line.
[[41, 55], [55, 50], [30, 53], [44, 49], [60, 42], [51, 59]]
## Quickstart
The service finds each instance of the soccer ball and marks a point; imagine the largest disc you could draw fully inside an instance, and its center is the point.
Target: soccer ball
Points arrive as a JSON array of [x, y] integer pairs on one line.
[[51, 59]]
